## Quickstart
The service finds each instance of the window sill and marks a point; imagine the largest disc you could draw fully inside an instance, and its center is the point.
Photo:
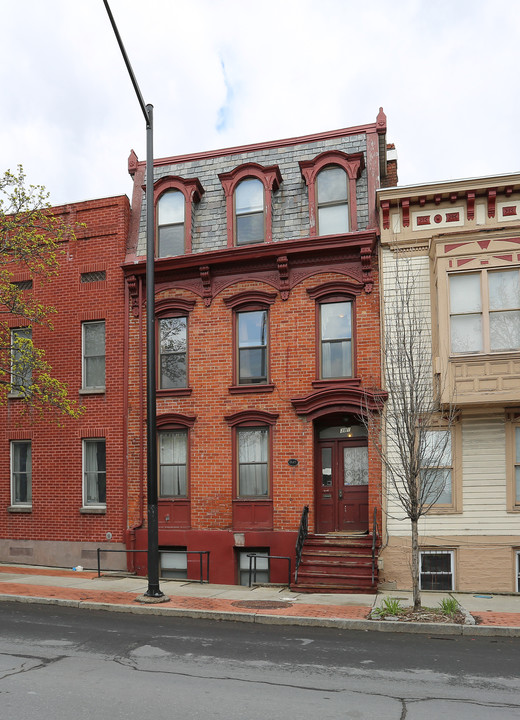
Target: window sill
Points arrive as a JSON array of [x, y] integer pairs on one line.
[[174, 392], [479, 356], [249, 389], [17, 396], [334, 382], [92, 391], [93, 510], [19, 509], [443, 511]]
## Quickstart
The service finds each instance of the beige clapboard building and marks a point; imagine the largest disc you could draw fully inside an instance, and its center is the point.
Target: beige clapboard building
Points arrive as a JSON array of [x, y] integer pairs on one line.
[[460, 240]]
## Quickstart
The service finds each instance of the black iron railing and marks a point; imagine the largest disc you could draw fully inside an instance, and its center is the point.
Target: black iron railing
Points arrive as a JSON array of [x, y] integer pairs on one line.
[[302, 534], [374, 544], [252, 566], [200, 553]]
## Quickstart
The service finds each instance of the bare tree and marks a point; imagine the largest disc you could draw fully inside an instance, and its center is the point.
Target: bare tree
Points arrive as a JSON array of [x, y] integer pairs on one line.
[[412, 431]]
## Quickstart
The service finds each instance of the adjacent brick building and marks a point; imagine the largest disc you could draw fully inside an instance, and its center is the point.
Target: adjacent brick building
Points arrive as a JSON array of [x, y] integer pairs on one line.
[[67, 494], [267, 310]]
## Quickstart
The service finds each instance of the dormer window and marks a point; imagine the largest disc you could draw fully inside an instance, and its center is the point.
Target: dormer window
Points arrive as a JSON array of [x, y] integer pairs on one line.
[[332, 201], [249, 212], [170, 224], [174, 198], [249, 190], [331, 179]]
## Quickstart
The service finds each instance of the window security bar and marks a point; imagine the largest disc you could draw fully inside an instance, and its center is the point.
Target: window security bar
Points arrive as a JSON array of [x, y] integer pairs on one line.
[[200, 553], [252, 566]]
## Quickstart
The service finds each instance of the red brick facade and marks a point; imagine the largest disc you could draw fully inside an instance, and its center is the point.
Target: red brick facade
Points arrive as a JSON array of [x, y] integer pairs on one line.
[[290, 279], [57, 529]]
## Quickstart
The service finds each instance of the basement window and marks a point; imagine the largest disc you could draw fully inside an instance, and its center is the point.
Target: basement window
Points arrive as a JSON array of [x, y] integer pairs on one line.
[[174, 563], [94, 276], [436, 570], [262, 566]]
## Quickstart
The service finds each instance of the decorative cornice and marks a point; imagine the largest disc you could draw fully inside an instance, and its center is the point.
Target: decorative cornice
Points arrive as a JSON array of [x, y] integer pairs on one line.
[[246, 297], [174, 303], [133, 292], [176, 419], [336, 287], [251, 416], [339, 399]]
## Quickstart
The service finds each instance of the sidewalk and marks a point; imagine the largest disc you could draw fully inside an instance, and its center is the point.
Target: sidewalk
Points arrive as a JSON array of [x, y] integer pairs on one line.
[[494, 614]]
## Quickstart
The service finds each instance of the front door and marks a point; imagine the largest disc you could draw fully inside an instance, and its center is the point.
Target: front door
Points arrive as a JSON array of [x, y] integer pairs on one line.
[[341, 485]]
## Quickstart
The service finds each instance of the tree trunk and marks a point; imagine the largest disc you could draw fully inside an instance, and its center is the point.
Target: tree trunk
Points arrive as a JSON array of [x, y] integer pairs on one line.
[[415, 566]]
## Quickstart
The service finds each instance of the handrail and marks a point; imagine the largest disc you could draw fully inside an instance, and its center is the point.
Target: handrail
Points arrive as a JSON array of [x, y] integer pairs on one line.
[[200, 553], [302, 534], [374, 539], [268, 557]]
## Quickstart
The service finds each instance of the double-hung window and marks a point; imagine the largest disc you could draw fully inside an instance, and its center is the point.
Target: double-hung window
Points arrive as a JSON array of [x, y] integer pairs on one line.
[[21, 360], [436, 467], [94, 472], [94, 355], [249, 212], [170, 224], [252, 346], [173, 463], [336, 339], [332, 201], [253, 461], [485, 311], [173, 352], [21, 472]]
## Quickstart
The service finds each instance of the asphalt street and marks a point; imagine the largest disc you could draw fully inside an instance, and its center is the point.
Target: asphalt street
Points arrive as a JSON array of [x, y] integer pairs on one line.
[[66, 663]]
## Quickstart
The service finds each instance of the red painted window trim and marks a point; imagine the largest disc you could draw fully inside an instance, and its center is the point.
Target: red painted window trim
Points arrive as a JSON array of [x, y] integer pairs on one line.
[[335, 292], [176, 421], [250, 300], [253, 419], [165, 308], [353, 164], [192, 191], [271, 179]]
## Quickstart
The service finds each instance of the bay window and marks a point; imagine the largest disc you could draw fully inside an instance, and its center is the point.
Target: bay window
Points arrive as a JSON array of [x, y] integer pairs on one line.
[[485, 311]]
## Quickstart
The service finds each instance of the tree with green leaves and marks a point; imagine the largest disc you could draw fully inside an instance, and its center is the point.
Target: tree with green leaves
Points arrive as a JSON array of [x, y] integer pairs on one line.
[[31, 238]]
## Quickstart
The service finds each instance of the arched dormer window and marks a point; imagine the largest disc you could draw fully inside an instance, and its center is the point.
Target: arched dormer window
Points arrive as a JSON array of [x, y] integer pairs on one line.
[[332, 201], [174, 198], [170, 224], [249, 212], [248, 189], [331, 179]]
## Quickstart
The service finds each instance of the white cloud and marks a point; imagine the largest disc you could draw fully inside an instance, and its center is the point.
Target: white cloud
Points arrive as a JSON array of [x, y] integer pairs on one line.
[[228, 72]]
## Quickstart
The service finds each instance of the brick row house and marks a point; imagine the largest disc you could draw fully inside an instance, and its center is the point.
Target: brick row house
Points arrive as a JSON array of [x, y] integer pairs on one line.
[[268, 351], [460, 241], [63, 490]]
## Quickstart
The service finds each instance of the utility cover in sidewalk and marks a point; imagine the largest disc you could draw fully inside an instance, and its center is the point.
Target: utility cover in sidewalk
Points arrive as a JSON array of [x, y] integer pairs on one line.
[[261, 604]]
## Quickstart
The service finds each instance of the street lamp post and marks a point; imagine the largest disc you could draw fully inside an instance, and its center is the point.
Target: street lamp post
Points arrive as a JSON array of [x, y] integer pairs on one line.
[[153, 590]]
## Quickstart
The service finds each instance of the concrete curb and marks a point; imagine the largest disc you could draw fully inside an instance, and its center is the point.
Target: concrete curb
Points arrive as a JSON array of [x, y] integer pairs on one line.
[[261, 619]]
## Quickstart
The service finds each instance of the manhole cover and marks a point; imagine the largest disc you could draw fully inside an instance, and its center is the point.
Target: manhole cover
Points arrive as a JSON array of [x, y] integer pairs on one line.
[[261, 604]]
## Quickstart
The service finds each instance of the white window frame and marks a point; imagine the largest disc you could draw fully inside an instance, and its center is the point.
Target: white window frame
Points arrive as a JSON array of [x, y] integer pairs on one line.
[[14, 501], [84, 356], [15, 385], [485, 311], [439, 551], [84, 443]]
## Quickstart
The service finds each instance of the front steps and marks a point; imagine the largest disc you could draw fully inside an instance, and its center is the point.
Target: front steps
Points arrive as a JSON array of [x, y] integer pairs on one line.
[[337, 564]]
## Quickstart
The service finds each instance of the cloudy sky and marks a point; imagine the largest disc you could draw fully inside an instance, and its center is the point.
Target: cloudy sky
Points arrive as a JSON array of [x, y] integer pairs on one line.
[[227, 72]]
